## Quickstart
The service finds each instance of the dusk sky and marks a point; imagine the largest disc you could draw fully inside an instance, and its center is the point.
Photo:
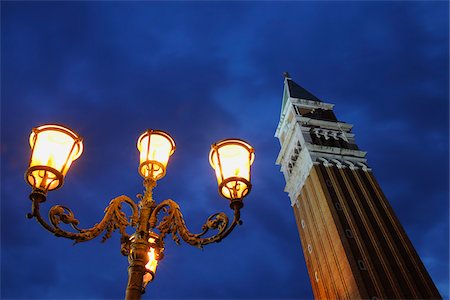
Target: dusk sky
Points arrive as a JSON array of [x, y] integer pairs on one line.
[[205, 71]]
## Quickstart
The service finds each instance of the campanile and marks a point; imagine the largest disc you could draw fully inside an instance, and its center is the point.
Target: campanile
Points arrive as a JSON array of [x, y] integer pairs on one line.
[[353, 243]]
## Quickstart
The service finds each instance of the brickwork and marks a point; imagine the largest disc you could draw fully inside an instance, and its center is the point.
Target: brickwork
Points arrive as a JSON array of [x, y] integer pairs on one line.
[[353, 244]]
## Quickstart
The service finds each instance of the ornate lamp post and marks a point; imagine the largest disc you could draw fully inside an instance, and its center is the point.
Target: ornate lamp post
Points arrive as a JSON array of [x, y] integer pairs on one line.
[[54, 148]]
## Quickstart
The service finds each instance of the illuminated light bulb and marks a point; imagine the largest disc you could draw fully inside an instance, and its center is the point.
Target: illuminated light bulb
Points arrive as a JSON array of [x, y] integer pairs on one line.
[[231, 160], [155, 147], [53, 149]]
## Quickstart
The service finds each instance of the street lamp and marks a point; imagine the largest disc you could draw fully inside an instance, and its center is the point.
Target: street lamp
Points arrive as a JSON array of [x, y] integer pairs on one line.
[[55, 147]]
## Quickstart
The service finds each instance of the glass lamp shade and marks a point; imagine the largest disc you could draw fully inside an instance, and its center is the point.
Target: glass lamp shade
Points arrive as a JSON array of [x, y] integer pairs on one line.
[[155, 148], [231, 159], [53, 149]]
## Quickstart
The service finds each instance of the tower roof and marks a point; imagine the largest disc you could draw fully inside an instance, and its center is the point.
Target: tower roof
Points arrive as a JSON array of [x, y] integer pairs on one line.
[[296, 91], [293, 90], [309, 105]]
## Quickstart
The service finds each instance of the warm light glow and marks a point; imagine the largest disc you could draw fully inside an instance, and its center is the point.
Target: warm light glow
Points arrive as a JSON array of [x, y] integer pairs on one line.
[[155, 253], [231, 160], [152, 262], [53, 149], [155, 147]]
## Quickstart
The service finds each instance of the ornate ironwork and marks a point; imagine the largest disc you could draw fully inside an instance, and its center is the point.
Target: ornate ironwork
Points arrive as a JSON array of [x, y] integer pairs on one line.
[[173, 223], [144, 218], [113, 219]]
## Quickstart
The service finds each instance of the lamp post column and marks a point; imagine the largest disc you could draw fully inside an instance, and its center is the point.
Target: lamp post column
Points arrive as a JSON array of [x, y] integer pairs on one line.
[[140, 246], [137, 259]]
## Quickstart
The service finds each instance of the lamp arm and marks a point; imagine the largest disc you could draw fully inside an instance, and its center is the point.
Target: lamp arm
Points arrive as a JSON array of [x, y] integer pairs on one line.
[[113, 219], [174, 223]]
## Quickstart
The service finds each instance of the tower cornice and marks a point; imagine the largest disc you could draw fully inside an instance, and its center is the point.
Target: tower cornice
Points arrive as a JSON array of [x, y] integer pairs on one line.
[[324, 124], [310, 104]]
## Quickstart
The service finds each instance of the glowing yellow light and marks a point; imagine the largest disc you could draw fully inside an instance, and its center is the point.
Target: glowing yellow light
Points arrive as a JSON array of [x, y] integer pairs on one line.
[[231, 160], [152, 263], [53, 149], [155, 147], [155, 253]]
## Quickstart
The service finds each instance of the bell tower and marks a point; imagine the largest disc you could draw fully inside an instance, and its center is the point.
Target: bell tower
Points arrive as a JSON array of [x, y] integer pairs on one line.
[[353, 243]]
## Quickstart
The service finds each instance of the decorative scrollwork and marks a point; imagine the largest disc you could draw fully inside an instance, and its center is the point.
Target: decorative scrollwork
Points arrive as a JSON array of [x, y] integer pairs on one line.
[[173, 223], [113, 219], [216, 221], [59, 213], [144, 218]]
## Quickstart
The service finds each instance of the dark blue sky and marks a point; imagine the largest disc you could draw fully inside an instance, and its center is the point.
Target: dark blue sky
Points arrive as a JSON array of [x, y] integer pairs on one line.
[[204, 71]]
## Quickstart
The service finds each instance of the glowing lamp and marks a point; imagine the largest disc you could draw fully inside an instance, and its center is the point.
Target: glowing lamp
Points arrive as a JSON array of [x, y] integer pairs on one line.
[[154, 255], [155, 147], [231, 159], [53, 149]]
